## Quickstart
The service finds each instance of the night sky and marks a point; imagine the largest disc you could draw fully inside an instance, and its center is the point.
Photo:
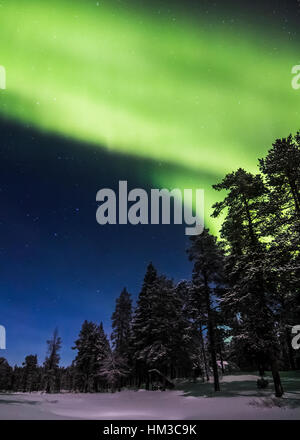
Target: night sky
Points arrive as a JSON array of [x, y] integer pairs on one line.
[[99, 92]]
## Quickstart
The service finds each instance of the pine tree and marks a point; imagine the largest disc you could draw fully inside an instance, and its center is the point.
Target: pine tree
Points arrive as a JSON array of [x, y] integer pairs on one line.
[[103, 349], [30, 374], [159, 330], [196, 319], [281, 170], [93, 347], [142, 324], [121, 323], [85, 360], [207, 278], [51, 368], [250, 291], [5, 375], [17, 378]]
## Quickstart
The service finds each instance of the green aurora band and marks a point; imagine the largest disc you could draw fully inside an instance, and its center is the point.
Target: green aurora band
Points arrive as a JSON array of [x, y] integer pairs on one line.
[[200, 98]]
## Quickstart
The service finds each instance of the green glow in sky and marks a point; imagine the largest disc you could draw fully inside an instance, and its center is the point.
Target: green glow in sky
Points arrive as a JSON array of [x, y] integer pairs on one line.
[[205, 97]]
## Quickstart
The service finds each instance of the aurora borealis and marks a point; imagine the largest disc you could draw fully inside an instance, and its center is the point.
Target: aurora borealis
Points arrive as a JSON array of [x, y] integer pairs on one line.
[[160, 93], [165, 86]]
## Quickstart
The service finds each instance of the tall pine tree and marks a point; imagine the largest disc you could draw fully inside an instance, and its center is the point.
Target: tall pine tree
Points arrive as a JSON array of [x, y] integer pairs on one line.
[[92, 348], [159, 329], [250, 292], [207, 279], [30, 374], [121, 323]]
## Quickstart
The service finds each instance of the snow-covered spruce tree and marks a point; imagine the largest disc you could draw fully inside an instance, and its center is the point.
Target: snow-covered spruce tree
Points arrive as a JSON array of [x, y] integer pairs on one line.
[[92, 346], [121, 323], [142, 324], [281, 170], [250, 293], [191, 331], [5, 375], [103, 349], [207, 278], [51, 364], [158, 331], [30, 374], [121, 333], [196, 318], [180, 335], [85, 361]]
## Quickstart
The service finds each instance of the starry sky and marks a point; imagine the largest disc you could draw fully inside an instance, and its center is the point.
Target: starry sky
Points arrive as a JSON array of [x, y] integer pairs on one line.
[[143, 91]]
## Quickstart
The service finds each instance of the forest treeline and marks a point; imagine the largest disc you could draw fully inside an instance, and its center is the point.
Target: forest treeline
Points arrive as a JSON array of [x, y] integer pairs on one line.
[[236, 311]]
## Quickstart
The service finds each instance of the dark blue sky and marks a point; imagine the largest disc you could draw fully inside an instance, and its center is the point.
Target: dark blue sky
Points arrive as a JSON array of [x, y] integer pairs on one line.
[[58, 266]]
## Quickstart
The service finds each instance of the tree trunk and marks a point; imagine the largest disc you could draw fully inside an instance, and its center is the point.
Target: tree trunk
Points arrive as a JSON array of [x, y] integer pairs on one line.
[[276, 378], [213, 357], [147, 386], [211, 337], [203, 353], [261, 370]]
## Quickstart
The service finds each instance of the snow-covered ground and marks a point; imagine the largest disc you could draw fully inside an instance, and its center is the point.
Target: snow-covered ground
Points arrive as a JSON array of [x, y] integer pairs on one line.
[[239, 399]]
